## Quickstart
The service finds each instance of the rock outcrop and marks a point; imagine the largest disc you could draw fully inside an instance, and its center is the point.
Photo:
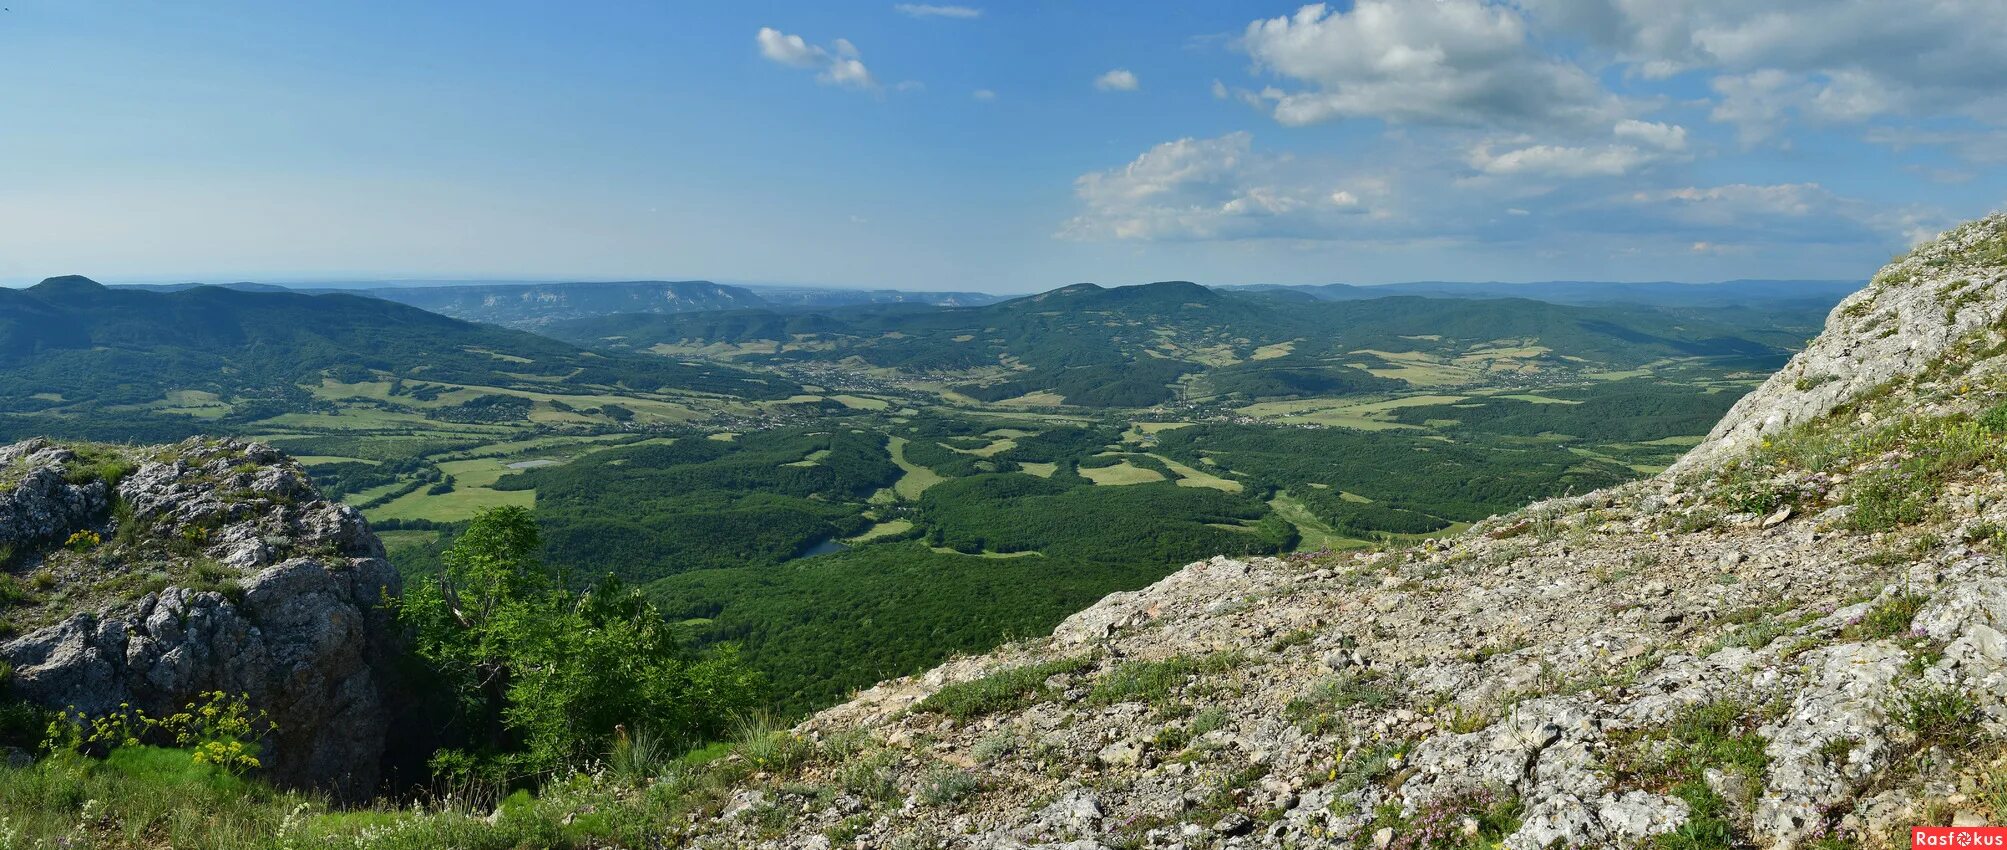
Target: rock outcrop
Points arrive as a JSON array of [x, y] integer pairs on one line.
[[1910, 316], [219, 569], [1796, 637]]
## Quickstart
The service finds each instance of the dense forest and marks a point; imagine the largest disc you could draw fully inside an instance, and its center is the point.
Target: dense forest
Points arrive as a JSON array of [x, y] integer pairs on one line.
[[648, 511]]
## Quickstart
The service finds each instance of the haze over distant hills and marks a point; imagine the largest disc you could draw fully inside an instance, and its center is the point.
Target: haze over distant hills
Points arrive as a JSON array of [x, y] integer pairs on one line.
[[74, 348], [531, 304], [1659, 293], [1152, 343]]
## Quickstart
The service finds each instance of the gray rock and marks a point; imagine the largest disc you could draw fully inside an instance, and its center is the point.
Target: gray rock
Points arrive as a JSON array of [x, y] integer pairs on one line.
[[309, 640], [43, 506], [1234, 823]]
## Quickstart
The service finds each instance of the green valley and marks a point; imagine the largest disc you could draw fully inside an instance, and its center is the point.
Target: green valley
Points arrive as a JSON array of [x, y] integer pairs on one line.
[[861, 491]]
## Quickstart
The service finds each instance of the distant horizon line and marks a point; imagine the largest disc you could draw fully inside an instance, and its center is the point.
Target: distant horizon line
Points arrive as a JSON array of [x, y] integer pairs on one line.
[[363, 283]]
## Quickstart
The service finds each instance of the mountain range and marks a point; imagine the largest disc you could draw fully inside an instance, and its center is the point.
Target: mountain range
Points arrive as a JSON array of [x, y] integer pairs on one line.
[[529, 305], [71, 346], [1149, 344]]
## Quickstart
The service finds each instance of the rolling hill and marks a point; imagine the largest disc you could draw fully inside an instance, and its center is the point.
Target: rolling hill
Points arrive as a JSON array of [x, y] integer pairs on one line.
[[1138, 346], [70, 346], [1766, 293], [533, 304]]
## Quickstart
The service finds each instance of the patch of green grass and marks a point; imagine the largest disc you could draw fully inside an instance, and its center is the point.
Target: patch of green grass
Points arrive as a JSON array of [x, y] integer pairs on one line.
[[1174, 737], [1316, 707], [1938, 450], [1154, 681], [917, 478], [1719, 735], [1707, 826], [1004, 690], [1760, 633], [98, 463], [946, 785], [1938, 715], [1888, 618], [1295, 638]]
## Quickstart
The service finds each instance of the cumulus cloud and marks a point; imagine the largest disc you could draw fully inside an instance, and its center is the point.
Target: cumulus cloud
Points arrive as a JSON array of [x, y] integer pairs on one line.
[[1120, 79], [1636, 144], [1827, 60], [1519, 191], [1666, 137], [1204, 189], [923, 10], [840, 64], [1744, 213], [1560, 161], [984, 95], [1440, 62]]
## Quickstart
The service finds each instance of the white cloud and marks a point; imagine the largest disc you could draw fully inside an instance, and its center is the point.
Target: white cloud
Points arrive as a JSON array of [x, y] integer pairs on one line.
[[1120, 79], [1437, 191], [1639, 144], [1667, 137], [910, 85], [1794, 199], [1758, 104], [1205, 189], [1977, 146], [1560, 161], [1446, 62], [1744, 213], [923, 10], [984, 95], [1220, 91], [1828, 60], [840, 64]]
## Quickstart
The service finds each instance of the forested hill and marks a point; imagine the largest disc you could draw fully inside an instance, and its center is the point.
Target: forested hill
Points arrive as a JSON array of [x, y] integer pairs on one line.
[[1143, 345], [533, 304], [72, 345], [1763, 293]]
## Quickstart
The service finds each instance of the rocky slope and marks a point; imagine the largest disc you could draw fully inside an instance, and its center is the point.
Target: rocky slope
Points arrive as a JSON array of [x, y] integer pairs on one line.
[[1797, 637], [150, 576]]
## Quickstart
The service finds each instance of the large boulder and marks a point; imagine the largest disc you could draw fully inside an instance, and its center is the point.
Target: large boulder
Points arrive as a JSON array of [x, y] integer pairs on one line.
[[271, 592]]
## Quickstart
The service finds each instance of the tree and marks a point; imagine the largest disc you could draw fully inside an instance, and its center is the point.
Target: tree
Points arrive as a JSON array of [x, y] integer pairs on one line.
[[542, 676]]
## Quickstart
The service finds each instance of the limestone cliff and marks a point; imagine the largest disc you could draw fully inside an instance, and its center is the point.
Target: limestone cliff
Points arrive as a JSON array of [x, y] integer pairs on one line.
[[149, 576], [1793, 638]]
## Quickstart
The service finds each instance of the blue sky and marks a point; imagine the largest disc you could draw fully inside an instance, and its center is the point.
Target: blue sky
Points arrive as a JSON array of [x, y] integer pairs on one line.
[[1005, 147]]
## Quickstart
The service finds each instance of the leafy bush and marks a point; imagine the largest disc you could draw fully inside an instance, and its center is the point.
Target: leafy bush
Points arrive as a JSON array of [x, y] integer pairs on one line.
[[543, 676]]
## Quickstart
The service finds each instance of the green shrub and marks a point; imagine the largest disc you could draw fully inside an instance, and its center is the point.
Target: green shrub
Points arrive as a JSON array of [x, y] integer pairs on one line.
[[574, 666]]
